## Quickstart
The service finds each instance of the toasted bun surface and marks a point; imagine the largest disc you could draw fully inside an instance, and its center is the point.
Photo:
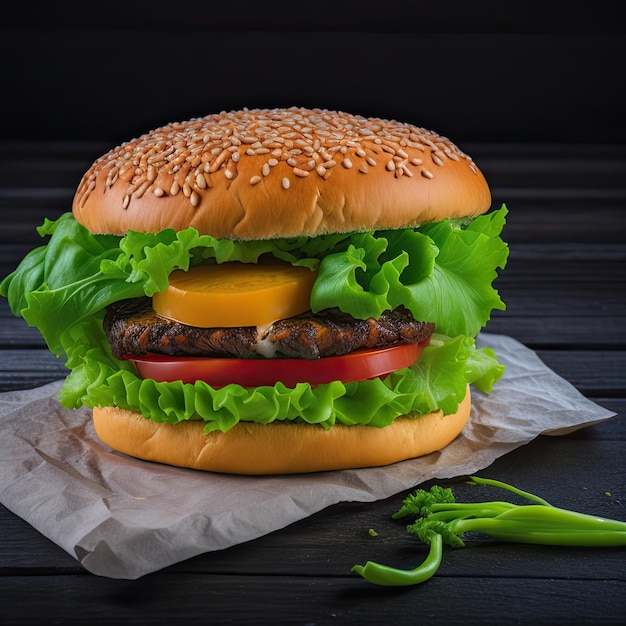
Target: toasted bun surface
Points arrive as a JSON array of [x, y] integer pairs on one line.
[[259, 174], [277, 448]]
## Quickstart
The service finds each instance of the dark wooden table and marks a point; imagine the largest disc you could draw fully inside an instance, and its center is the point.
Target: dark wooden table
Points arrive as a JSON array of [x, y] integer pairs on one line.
[[565, 286]]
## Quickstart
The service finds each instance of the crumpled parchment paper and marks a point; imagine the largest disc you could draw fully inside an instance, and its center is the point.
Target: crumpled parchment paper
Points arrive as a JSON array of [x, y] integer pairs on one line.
[[123, 518]]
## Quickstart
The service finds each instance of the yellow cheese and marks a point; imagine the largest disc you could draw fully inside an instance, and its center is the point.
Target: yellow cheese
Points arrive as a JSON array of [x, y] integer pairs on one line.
[[235, 294]]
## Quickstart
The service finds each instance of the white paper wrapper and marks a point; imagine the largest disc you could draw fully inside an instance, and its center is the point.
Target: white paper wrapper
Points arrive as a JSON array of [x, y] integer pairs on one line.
[[123, 518]]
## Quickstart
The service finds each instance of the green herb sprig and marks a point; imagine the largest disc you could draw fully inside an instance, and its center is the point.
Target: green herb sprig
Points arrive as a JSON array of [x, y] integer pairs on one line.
[[440, 520]]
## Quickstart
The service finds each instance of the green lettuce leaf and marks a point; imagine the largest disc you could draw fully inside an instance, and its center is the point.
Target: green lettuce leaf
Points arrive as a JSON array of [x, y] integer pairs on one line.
[[441, 272]]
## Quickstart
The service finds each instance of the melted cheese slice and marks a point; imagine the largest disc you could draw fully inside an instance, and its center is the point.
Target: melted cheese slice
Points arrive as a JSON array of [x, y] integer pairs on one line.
[[235, 294]]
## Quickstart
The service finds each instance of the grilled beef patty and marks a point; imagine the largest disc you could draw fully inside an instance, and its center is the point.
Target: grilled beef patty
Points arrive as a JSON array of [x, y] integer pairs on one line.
[[133, 328]]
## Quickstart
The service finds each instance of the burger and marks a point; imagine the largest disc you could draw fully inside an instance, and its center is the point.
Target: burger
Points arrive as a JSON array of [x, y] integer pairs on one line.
[[272, 291]]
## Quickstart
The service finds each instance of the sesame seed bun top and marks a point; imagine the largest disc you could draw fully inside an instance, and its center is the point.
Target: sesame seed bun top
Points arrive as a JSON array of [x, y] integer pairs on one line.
[[257, 174]]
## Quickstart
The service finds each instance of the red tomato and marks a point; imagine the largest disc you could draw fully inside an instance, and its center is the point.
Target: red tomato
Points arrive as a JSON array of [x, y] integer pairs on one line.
[[218, 372]]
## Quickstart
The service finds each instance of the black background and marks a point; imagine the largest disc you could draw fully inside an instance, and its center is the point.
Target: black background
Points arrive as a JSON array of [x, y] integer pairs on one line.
[[493, 71]]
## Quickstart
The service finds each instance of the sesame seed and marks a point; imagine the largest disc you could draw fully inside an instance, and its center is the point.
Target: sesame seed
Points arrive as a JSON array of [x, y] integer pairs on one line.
[[300, 172], [221, 157], [426, 173], [91, 185], [286, 184], [255, 180], [436, 160]]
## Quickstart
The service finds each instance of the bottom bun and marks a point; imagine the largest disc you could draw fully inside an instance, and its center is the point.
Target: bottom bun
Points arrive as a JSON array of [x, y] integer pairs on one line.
[[279, 447]]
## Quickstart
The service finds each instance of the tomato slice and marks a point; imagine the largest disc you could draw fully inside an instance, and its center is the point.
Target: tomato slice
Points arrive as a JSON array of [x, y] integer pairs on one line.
[[219, 372]]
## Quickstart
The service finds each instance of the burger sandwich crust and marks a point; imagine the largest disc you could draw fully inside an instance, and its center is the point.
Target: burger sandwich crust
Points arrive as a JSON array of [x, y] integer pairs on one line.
[[261, 174], [278, 448]]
